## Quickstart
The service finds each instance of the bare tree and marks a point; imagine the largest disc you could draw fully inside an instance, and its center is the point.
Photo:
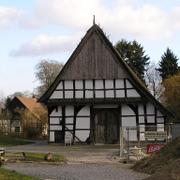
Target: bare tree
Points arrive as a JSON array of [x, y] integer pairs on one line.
[[46, 72], [153, 80]]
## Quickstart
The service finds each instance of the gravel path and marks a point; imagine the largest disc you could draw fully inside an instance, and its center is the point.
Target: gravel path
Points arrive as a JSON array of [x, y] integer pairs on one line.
[[77, 171]]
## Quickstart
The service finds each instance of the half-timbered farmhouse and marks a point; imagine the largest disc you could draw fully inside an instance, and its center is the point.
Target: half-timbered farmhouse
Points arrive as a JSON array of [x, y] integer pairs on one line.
[[96, 93], [35, 112]]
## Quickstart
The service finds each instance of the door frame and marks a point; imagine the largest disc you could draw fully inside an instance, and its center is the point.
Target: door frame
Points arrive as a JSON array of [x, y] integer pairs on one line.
[[95, 111]]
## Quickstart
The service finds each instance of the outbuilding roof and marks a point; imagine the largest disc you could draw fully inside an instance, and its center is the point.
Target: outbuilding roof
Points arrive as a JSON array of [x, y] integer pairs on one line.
[[35, 107]]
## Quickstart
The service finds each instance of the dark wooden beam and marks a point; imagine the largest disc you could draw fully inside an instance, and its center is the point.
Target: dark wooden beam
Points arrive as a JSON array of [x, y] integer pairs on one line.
[[54, 102], [84, 96], [94, 95], [145, 114], [63, 123], [104, 89], [91, 125], [63, 89], [74, 90], [114, 87], [74, 123], [125, 88]]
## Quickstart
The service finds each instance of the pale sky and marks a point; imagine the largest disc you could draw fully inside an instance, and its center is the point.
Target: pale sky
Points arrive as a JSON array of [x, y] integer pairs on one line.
[[51, 29]]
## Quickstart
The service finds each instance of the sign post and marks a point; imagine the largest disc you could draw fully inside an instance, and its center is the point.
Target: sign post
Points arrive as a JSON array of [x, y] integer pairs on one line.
[[121, 142], [155, 135]]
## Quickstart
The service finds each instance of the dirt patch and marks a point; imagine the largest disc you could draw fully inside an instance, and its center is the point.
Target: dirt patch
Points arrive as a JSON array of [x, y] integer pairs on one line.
[[164, 164]]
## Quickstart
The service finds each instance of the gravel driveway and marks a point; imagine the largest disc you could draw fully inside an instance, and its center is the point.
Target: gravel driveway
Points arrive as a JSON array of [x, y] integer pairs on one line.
[[77, 171]]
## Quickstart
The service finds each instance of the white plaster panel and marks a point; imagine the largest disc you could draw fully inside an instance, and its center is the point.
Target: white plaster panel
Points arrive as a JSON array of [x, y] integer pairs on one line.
[[106, 106], [99, 84], [51, 137], [109, 94], [119, 83], [82, 123], [69, 127], [54, 120], [132, 135], [141, 109], [150, 108], [88, 94], [150, 119], [60, 86], [128, 121], [142, 128], [85, 111], [160, 127], [88, 84], [69, 120], [79, 84], [108, 84], [132, 93], [55, 127], [68, 84], [141, 119], [58, 112], [69, 94], [82, 135], [126, 110], [79, 94], [120, 93], [69, 111], [128, 84], [57, 95], [142, 136], [99, 94], [160, 120]]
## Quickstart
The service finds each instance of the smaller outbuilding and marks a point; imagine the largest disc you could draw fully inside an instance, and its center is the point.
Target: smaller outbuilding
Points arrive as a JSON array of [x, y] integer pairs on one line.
[[26, 113]]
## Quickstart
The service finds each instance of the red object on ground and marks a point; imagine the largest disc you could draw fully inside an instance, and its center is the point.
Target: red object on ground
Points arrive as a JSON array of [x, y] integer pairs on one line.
[[151, 148]]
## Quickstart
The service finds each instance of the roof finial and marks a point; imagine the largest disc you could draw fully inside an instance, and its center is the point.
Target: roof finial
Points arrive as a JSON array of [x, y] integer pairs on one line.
[[94, 22]]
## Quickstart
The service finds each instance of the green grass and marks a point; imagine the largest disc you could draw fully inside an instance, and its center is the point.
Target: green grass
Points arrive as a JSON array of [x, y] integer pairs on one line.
[[12, 141], [39, 157], [12, 175]]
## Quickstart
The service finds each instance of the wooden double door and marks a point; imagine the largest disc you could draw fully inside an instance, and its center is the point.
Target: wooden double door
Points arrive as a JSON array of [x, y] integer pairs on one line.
[[106, 126]]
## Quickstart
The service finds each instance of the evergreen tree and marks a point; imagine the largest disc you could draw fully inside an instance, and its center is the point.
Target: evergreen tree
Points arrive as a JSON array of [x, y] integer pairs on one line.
[[134, 55], [168, 65]]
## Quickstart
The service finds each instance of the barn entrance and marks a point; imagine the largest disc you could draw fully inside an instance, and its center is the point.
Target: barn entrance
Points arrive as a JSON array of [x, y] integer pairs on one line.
[[106, 127]]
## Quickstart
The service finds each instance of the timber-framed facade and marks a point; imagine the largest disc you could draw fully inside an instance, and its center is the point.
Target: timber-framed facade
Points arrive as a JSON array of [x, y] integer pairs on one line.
[[96, 93]]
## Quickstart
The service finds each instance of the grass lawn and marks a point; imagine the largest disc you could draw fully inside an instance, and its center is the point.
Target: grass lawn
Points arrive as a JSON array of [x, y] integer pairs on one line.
[[12, 175], [40, 157], [12, 141], [37, 157]]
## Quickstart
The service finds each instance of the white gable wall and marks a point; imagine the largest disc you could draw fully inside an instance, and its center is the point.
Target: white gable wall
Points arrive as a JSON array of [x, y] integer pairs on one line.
[[102, 89]]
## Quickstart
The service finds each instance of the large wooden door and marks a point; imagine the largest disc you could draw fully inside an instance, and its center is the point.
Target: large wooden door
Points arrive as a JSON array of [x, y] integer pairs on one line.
[[106, 127]]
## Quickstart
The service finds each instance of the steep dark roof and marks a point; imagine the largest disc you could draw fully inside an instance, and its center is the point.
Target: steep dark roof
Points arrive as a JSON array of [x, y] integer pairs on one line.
[[135, 79]]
